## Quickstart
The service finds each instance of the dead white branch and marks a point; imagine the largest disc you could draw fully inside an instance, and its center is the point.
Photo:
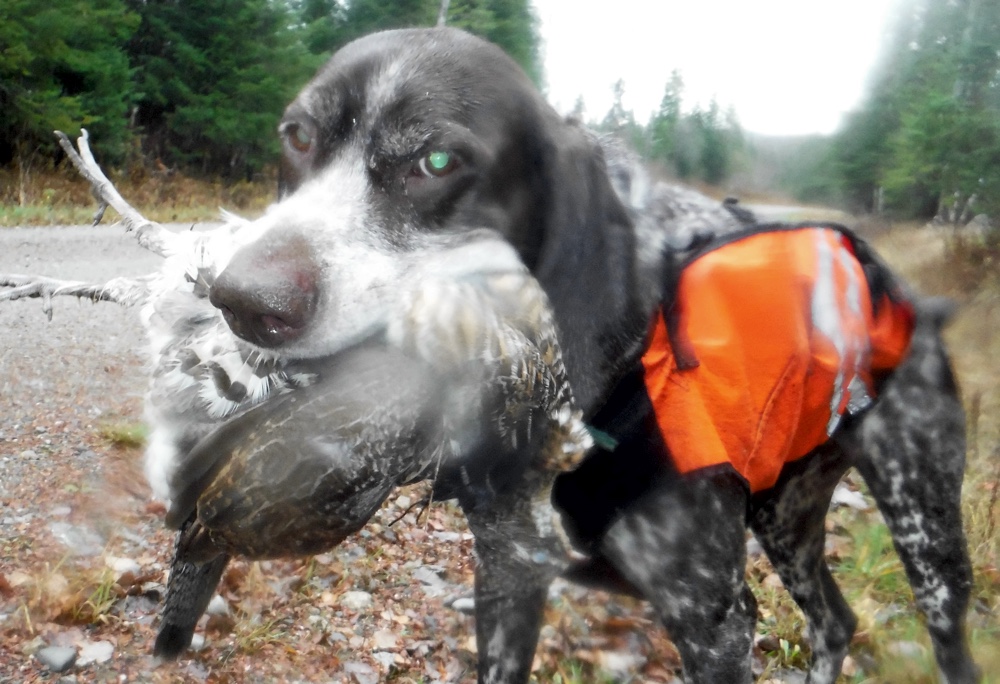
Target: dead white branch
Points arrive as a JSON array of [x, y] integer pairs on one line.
[[149, 234]]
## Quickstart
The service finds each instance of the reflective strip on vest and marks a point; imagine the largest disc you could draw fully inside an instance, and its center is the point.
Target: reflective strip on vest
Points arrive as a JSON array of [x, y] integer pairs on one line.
[[786, 339]]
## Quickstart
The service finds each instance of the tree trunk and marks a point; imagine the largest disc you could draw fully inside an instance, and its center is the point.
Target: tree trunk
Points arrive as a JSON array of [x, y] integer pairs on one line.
[[443, 14]]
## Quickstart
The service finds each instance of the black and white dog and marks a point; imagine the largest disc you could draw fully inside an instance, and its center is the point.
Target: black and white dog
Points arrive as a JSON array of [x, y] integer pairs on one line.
[[406, 134]]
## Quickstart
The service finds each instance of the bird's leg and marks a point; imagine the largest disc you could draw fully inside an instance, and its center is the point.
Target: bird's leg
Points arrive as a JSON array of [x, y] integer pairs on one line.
[[150, 235], [123, 291]]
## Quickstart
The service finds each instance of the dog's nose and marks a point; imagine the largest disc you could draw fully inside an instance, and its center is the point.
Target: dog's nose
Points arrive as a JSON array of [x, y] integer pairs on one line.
[[268, 292]]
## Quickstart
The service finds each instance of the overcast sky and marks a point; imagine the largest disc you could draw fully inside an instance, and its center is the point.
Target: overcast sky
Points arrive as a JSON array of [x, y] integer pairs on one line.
[[787, 66]]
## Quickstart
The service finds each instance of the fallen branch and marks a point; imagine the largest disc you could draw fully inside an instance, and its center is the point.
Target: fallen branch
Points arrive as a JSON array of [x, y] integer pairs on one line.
[[150, 235]]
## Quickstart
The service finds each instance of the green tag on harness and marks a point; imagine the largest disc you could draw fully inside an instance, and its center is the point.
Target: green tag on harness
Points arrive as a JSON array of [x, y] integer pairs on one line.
[[602, 439]]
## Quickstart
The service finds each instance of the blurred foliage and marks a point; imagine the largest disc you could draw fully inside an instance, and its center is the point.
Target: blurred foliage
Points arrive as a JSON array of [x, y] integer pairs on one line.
[[704, 144], [193, 85], [926, 141]]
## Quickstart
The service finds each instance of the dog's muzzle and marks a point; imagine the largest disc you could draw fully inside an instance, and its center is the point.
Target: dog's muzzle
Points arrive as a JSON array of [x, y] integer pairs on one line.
[[268, 292]]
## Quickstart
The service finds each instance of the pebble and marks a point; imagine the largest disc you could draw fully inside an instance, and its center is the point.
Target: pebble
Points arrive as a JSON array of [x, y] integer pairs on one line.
[[446, 536], [385, 659], [619, 663], [57, 658], [843, 496], [217, 606], [906, 649], [95, 652], [33, 646], [361, 673], [384, 640], [82, 541], [430, 580], [356, 600], [122, 565]]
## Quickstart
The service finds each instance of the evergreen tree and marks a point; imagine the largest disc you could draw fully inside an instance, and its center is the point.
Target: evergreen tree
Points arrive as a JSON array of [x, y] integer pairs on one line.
[[213, 77], [716, 151], [621, 122], [931, 129], [62, 67], [663, 124], [511, 24], [702, 143]]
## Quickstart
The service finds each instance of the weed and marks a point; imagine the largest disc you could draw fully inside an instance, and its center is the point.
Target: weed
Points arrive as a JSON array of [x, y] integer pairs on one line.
[[124, 435], [97, 606], [254, 634]]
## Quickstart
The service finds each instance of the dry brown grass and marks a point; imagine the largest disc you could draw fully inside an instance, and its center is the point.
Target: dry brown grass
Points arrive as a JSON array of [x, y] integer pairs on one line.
[[61, 197]]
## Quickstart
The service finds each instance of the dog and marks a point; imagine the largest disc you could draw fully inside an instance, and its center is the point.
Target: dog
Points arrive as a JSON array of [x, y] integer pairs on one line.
[[417, 132]]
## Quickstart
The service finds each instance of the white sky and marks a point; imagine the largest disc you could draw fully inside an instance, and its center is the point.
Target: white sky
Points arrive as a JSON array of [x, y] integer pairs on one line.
[[787, 66]]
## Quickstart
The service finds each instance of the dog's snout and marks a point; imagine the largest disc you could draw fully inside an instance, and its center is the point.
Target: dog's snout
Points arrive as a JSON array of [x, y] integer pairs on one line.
[[268, 292]]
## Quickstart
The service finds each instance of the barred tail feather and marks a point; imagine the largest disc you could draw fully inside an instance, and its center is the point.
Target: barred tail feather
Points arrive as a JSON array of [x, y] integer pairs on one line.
[[189, 591]]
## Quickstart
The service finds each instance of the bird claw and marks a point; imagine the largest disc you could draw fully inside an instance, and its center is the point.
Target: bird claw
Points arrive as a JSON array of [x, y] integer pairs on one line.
[[99, 214], [40, 287]]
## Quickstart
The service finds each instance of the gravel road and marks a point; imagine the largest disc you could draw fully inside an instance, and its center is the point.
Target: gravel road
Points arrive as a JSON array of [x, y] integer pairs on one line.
[[83, 366]]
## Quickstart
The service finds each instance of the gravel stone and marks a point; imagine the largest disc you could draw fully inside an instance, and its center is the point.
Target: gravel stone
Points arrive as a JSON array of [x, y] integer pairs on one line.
[[356, 600], [57, 658]]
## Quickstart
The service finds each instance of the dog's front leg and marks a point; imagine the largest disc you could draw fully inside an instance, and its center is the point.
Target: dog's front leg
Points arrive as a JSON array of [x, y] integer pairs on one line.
[[519, 555], [509, 608]]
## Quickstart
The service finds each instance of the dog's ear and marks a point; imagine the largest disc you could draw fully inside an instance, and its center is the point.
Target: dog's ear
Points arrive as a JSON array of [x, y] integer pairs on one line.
[[587, 264]]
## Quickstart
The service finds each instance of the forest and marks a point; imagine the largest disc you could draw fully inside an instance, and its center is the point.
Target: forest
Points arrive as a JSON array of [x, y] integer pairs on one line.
[[198, 86], [926, 141]]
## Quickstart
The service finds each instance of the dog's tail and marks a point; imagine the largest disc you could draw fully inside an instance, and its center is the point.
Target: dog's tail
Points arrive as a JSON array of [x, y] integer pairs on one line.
[[935, 311]]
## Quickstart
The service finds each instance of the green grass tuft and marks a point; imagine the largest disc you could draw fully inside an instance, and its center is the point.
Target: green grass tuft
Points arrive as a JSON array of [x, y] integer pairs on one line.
[[125, 435]]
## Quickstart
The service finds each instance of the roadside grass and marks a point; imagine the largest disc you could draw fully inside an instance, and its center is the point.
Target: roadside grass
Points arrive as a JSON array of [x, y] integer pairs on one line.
[[62, 197]]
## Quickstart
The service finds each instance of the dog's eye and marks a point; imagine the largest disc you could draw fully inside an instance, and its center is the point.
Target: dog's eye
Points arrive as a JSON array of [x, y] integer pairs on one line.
[[298, 137], [437, 164]]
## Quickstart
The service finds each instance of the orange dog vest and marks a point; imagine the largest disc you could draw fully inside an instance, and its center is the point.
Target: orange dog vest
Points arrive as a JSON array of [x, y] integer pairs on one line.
[[784, 339]]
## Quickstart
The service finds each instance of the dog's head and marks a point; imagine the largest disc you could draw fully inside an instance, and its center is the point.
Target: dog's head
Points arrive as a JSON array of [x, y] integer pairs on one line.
[[408, 142]]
